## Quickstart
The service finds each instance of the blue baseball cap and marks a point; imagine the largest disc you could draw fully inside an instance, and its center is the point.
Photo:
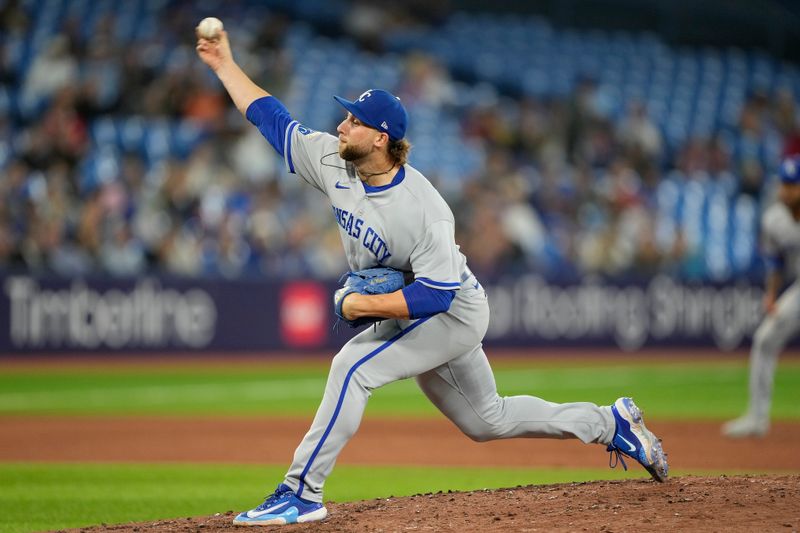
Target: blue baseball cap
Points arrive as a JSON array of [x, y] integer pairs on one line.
[[380, 110], [790, 170]]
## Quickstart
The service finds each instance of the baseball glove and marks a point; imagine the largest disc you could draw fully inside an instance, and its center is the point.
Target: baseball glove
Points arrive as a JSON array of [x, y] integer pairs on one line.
[[378, 280]]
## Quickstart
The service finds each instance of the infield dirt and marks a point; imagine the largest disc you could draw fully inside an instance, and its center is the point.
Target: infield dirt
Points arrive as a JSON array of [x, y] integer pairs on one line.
[[690, 445], [720, 503], [703, 504]]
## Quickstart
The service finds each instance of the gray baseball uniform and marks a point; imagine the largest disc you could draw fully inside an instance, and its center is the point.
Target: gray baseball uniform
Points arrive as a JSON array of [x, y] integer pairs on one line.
[[780, 239], [408, 226]]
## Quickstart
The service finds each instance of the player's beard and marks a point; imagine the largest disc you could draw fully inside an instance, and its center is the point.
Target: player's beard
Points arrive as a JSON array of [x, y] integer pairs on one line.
[[353, 153]]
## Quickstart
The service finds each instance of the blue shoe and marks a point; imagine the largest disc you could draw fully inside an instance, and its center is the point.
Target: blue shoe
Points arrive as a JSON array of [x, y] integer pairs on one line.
[[282, 507], [633, 439]]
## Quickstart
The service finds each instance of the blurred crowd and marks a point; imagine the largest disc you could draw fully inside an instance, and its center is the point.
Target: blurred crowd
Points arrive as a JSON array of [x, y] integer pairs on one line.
[[567, 189], [563, 187]]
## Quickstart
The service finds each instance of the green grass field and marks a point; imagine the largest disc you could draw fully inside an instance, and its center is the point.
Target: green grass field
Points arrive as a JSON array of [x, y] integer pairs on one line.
[[38, 496], [43, 496], [683, 390]]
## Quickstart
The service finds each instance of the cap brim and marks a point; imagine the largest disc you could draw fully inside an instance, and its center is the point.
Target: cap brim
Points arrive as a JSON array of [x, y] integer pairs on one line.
[[350, 106]]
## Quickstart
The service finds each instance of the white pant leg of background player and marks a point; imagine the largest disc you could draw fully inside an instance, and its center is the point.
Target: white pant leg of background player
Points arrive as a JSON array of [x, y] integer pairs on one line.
[[768, 342]]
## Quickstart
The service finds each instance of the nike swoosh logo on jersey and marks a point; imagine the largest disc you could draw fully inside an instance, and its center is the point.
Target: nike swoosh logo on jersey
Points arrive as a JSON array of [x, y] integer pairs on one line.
[[340, 186], [633, 448]]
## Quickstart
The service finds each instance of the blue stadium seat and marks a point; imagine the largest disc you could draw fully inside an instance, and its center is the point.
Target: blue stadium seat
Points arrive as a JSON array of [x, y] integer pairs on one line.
[[689, 93]]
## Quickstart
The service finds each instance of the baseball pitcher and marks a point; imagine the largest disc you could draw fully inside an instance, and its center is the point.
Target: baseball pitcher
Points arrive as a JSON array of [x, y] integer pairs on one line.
[[781, 247], [409, 281]]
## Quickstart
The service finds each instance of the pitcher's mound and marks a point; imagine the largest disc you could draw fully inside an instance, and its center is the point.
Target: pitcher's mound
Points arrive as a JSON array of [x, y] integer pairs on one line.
[[725, 503]]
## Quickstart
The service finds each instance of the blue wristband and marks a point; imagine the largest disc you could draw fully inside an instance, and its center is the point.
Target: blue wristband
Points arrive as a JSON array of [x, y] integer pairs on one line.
[[424, 301]]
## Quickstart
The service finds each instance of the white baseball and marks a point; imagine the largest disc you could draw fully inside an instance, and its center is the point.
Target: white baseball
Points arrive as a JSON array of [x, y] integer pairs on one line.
[[209, 28]]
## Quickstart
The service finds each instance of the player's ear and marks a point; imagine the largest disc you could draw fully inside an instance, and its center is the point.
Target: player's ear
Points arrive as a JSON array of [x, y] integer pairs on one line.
[[382, 139]]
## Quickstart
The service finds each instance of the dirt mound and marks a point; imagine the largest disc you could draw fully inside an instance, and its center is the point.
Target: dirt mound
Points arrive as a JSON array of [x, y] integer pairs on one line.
[[725, 503]]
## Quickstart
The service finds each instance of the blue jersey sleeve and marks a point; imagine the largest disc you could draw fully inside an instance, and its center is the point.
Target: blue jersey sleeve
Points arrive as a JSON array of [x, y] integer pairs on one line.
[[425, 301], [302, 148], [272, 119]]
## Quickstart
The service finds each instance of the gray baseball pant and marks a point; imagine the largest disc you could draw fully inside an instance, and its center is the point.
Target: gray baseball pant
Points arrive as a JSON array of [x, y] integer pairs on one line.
[[771, 337], [445, 354]]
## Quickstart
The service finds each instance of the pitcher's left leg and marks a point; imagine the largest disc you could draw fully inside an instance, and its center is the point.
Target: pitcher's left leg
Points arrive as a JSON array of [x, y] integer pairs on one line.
[[464, 390]]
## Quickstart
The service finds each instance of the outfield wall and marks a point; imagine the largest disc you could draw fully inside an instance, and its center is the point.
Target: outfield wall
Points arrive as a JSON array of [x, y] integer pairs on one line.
[[162, 314]]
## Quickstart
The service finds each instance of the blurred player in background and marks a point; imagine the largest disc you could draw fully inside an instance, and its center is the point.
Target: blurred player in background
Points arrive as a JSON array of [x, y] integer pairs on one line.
[[431, 329], [781, 246]]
